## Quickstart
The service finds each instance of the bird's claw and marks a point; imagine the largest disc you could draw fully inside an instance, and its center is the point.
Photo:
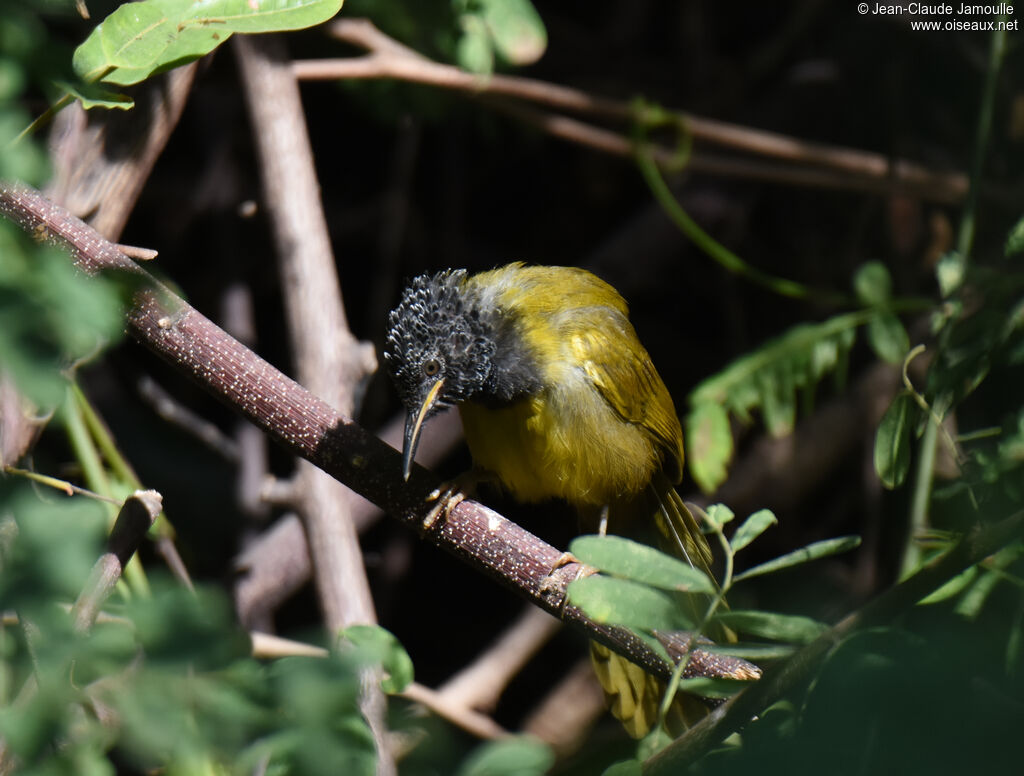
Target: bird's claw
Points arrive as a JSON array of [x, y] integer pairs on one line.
[[448, 496]]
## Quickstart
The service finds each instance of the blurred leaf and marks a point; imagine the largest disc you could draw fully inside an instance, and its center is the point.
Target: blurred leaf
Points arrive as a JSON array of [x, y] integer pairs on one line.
[[622, 602], [872, 283], [1015, 240], [625, 768], [949, 272], [789, 628], [474, 51], [622, 557], [516, 28], [888, 338], [142, 38], [518, 756], [892, 441], [709, 444], [769, 377], [380, 646], [952, 587], [806, 554], [751, 528]]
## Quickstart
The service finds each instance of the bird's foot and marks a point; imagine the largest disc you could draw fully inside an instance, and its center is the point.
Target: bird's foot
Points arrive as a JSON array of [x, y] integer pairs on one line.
[[551, 583], [451, 494]]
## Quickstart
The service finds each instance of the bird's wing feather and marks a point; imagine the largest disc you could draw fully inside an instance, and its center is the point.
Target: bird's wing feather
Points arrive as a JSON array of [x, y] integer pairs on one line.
[[609, 352]]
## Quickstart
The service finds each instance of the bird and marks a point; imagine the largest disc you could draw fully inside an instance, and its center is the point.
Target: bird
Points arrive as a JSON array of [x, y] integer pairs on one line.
[[558, 400]]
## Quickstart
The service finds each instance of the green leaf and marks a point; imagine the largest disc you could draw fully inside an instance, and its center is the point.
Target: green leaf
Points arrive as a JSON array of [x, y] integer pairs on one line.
[[952, 587], [630, 604], [139, 39], [519, 756], [752, 527], [751, 651], [91, 96], [872, 283], [474, 51], [624, 768], [713, 687], [803, 555], [949, 272], [888, 338], [709, 444], [719, 514], [625, 558], [769, 377], [379, 646], [516, 29], [892, 442], [1015, 240], [770, 625]]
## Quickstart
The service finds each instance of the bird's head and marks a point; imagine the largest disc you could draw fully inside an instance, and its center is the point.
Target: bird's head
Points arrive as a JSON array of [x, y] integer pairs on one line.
[[438, 351]]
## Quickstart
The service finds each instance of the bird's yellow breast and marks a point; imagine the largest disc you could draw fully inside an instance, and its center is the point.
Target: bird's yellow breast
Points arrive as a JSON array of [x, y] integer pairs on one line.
[[602, 423]]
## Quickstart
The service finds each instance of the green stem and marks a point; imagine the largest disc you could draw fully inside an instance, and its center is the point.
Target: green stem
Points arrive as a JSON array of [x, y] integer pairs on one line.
[[921, 499], [714, 249], [96, 479], [988, 98]]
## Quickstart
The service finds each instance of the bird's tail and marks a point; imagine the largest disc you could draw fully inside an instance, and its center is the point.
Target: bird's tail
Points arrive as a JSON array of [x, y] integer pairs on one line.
[[634, 695]]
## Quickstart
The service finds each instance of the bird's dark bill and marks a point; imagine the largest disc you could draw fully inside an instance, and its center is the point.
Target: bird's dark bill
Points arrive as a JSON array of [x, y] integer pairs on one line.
[[414, 424]]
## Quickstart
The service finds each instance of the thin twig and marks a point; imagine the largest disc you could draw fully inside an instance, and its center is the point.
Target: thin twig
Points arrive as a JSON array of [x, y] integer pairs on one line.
[[837, 167]]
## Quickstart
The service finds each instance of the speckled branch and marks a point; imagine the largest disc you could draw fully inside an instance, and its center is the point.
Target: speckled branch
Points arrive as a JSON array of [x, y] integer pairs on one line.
[[309, 427]]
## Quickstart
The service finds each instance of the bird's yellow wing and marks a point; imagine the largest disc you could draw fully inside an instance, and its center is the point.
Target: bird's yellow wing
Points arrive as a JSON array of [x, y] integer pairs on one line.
[[605, 345]]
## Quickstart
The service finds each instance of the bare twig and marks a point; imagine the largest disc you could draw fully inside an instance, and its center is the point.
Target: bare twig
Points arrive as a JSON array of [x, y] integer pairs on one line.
[[569, 710], [480, 684], [138, 513], [837, 167], [466, 718], [175, 413]]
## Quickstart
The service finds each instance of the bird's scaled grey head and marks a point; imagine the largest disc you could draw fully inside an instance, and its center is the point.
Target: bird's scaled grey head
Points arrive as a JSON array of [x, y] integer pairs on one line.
[[438, 351]]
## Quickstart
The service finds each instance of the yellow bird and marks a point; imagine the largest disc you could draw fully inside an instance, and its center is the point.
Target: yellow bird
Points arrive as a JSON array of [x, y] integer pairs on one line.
[[558, 400]]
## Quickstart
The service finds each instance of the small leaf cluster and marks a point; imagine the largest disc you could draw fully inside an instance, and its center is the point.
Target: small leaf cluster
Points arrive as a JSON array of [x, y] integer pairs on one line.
[[782, 375]]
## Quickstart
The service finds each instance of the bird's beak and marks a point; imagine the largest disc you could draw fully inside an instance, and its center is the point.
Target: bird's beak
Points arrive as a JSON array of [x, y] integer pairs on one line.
[[413, 424]]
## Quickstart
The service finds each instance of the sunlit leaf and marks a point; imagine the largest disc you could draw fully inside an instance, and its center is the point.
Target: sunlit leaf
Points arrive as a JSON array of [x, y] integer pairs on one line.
[[719, 514], [803, 555], [139, 39], [713, 687], [517, 30], [751, 528], [623, 602], [625, 558]]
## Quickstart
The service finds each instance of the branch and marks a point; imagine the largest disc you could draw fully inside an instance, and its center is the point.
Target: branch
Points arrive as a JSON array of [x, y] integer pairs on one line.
[[837, 167], [137, 515], [308, 427]]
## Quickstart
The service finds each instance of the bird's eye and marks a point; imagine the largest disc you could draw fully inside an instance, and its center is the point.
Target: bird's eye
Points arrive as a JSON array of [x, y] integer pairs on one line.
[[431, 367]]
